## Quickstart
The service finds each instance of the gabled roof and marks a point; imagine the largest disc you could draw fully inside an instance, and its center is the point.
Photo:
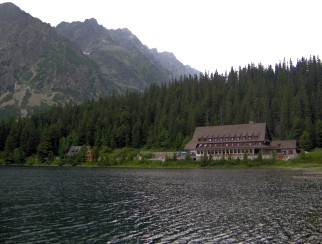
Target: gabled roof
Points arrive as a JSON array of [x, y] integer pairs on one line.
[[258, 130], [75, 150]]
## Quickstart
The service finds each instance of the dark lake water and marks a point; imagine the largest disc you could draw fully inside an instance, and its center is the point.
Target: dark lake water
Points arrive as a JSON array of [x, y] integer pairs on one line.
[[159, 205]]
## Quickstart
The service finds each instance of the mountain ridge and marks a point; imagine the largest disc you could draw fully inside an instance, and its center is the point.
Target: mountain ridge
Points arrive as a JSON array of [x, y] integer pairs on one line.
[[40, 67], [120, 52]]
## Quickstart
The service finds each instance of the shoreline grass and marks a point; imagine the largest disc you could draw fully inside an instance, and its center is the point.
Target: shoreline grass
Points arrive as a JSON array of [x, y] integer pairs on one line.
[[312, 160]]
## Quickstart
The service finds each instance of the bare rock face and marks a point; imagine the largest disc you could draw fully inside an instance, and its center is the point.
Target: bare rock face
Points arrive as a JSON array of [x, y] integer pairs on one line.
[[121, 55]]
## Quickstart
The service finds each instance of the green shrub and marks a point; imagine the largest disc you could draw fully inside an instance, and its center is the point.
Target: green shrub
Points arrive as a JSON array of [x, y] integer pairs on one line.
[[33, 160], [2, 158]]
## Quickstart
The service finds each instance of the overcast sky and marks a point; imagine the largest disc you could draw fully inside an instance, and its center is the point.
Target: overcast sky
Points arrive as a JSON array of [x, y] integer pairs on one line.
[[205, 34]]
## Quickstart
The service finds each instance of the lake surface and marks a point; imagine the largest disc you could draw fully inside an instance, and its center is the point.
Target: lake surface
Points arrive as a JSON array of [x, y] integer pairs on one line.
[[96, 205]]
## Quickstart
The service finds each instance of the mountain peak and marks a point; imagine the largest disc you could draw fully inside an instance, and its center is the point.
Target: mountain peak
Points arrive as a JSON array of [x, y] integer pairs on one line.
[[9, 5], [91, 21], [10, 12]]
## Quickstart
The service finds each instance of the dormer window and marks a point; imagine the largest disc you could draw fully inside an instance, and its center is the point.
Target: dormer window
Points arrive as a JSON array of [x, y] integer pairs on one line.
[[232, 138], [238, 138], [226, 138], [249, 138]]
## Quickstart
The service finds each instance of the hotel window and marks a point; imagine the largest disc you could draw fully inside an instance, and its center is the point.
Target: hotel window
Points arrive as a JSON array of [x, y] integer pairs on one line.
[[238, 138], [232, 138], [249, 138], [226, 138], [210, 139], [220, 138], [215, 139], [227, 145], [244, 138]]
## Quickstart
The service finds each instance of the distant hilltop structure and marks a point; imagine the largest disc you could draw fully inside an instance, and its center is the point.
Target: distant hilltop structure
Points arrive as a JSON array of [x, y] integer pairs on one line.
[[235, 141]]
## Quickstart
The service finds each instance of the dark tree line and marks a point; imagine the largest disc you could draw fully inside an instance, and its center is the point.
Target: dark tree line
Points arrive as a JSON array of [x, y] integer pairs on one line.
[[288, 97]]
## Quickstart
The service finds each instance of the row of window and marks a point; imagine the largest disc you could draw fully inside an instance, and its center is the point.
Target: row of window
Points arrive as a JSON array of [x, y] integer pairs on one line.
[[228, 144], [233, 138], [249, 151]]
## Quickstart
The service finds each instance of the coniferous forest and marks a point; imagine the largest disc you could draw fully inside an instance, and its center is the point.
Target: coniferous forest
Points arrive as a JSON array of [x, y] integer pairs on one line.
[[288, 97]]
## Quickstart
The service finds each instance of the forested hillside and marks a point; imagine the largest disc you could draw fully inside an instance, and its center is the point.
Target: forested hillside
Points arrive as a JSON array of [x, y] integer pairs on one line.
[[288, 97]]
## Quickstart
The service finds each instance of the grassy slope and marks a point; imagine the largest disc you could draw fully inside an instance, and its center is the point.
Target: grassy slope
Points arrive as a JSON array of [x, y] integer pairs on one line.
[[308, 160]]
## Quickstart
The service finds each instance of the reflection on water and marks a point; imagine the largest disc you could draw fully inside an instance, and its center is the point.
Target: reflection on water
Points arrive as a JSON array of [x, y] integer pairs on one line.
[[141, 205]]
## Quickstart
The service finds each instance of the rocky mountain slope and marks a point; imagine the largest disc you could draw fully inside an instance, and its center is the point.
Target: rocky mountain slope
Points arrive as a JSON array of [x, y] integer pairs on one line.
[[41, 65], [122, 56]]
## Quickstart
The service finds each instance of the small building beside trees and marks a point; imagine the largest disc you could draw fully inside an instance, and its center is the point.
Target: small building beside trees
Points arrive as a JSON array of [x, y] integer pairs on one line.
[[236, 141], [84, 151]]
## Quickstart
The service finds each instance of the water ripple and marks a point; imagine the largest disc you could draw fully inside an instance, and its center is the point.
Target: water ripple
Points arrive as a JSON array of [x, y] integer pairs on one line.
[[163, 206]]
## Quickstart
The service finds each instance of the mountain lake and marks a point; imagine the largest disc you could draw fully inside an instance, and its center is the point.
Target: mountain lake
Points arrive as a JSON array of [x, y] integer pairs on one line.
[[115, 205]]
